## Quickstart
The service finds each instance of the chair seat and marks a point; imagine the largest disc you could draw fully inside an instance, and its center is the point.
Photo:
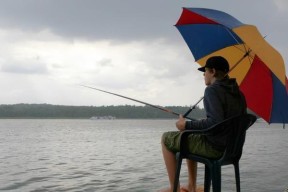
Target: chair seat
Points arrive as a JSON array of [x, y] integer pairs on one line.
[[234, 130]]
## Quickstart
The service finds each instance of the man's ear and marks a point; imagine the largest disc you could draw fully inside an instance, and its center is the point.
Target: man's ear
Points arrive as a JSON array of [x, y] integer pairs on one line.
[[213, 72]]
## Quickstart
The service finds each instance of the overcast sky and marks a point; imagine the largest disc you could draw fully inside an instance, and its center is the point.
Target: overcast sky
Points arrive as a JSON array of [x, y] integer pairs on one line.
[[130, 47]]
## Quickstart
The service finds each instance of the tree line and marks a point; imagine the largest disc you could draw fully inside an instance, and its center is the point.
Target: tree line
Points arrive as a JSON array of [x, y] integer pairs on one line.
[[84, 112]]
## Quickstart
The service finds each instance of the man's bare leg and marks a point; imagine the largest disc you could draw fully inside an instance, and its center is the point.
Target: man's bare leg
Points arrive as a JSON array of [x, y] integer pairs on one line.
[[170, 162], [192, 176]]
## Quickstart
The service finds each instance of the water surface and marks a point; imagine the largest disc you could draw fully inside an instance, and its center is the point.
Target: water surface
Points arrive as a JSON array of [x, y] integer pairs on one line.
[[121, 155]]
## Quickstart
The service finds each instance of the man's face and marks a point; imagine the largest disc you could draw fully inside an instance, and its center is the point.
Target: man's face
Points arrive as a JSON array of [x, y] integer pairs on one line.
[[209, 76]]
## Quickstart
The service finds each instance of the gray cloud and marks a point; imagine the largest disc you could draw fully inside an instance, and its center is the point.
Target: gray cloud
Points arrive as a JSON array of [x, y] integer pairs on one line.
[[134, 20], [109, 19], [26, 66], [161, 65], [117, 20], [105, 62]]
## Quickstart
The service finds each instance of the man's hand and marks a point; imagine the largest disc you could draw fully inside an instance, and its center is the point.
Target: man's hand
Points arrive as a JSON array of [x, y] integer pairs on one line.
[[180, 124]]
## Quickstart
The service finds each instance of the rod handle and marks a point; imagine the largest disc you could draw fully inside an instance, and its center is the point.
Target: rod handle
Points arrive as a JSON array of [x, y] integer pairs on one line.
[[187, 113]]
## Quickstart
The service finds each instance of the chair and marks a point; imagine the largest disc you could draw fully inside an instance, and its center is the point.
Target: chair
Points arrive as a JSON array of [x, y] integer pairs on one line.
[[235, 129]]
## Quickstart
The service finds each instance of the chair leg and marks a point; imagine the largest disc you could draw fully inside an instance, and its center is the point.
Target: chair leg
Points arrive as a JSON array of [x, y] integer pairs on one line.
[[237, 176], [177, 174], [207, 181], [216, 178]]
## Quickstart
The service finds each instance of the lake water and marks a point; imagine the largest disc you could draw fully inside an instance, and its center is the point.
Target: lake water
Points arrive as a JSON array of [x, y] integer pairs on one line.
[[122, 155]]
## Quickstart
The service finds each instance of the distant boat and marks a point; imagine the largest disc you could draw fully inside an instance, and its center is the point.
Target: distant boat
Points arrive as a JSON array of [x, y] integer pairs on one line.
[[109, 117]]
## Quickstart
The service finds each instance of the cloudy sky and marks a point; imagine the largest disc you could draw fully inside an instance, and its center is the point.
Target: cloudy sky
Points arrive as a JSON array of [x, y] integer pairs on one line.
[[130, 47]]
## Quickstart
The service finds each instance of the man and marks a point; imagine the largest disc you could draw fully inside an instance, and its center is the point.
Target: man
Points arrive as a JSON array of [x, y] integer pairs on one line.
[[222, 99]]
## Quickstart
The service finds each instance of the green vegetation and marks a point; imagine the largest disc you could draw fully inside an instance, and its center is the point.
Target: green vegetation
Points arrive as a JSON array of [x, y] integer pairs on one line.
[[42, 111]]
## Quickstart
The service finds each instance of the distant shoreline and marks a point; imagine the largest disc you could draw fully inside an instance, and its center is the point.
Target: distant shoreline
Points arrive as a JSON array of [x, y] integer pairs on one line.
[[48, 111]]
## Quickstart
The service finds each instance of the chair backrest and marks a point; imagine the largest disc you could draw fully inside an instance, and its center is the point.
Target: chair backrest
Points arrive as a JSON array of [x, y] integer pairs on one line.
[[235, 129]]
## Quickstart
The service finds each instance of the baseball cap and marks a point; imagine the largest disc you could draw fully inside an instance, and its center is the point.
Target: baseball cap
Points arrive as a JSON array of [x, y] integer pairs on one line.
[[216, 62]]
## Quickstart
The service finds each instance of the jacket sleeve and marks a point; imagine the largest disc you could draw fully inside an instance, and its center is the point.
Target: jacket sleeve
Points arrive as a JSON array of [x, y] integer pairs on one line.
[[214, 111]]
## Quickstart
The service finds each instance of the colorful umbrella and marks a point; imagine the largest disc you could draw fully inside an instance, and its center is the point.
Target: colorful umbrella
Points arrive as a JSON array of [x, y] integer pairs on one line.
[[257, 66]]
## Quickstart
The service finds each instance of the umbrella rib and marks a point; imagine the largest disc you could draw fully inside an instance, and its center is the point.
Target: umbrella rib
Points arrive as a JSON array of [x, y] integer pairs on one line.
[[241, 59], [229, 31], [246, 51]]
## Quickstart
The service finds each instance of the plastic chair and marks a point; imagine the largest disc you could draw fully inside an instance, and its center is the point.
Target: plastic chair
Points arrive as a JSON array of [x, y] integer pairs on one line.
[[235, 130]]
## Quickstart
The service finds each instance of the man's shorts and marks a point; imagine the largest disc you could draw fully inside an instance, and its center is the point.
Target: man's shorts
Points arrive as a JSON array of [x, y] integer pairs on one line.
[[196, 144]]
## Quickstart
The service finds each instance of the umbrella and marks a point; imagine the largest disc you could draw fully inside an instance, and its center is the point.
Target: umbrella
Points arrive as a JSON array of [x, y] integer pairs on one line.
[[258, 68]]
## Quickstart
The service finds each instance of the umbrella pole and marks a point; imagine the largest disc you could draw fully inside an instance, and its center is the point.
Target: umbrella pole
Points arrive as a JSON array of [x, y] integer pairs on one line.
[[154, 106], [241, 59]]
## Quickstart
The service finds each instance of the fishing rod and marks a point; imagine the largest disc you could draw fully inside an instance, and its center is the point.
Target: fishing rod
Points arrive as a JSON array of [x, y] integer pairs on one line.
[[192, 107], [145, 103]]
